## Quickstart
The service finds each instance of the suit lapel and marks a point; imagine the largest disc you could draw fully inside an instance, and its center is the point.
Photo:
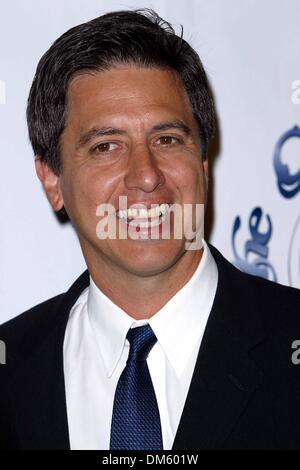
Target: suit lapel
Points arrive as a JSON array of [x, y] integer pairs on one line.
[[39, 386], [225, 376]]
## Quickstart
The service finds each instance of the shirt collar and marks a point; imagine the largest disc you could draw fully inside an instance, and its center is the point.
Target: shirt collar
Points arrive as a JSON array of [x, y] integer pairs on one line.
[[110, 324], [181, 320]]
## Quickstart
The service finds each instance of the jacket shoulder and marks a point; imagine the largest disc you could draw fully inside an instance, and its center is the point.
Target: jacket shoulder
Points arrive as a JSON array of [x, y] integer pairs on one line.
[[25, 332], [20, 330], [272, 291], [29, 316], [276, 305], [279, 306]]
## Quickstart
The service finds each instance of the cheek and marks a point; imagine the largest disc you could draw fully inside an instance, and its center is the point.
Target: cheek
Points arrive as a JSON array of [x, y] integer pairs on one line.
[[82, 186], [86, 190], [190, 181], [80, 195]]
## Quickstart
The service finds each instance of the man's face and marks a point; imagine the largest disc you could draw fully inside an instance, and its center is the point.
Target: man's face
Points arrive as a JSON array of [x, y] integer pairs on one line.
[[130, 132]]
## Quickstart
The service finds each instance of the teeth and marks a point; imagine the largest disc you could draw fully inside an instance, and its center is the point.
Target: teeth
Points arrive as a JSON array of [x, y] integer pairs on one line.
[[132, 212], [163, 208], [143, 213], [140, 212], [122, 214]]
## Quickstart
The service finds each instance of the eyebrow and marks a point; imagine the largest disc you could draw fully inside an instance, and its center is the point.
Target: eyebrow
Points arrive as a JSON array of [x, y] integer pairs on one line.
[[86, 137], [91, 134], [168, 125]]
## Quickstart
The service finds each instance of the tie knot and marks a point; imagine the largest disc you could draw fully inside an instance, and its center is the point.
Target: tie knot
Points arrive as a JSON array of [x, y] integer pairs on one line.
[[141, 340]]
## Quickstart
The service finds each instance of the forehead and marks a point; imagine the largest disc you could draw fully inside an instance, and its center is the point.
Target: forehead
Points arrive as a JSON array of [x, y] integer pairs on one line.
[[129, 92]]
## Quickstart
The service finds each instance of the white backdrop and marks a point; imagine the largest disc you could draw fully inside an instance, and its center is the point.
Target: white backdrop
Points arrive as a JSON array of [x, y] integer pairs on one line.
[[251, 51]]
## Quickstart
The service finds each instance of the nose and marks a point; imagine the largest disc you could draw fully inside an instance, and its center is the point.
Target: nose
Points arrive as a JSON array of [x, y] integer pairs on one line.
[[143, 173]]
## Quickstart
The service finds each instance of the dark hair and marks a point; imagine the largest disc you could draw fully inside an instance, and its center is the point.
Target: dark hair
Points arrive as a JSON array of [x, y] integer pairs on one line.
[[139, 37]]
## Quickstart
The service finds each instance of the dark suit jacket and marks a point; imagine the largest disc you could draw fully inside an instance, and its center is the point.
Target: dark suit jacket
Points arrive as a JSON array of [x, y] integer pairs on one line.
[[245, 390]]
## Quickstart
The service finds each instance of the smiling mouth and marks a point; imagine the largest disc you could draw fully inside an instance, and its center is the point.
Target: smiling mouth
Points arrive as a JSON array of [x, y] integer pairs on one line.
[[144, 218]]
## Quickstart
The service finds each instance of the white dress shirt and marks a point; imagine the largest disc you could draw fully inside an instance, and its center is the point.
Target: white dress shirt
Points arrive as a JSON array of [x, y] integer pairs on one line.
[[96, 350]]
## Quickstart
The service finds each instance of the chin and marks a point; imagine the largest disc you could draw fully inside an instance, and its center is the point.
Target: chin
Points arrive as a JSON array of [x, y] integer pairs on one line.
[[146, 262]]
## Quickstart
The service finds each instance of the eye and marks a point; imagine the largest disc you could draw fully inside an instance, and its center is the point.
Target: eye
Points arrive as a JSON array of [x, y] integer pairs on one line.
[[169, 140], [104, 147]]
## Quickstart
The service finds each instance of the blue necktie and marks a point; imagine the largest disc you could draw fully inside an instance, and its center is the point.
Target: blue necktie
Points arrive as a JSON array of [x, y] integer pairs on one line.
[[135, 420]]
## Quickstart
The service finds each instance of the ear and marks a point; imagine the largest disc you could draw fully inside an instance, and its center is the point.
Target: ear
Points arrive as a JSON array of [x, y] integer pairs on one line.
[[51, 184], [206, 178], [205, 169]]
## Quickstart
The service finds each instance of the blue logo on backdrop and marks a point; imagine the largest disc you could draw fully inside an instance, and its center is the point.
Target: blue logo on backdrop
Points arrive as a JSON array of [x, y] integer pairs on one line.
[[288, 183], [294, 256], [256, 252], [289, 186]]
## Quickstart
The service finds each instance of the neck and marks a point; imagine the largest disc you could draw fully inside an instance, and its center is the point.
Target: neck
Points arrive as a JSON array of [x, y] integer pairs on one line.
[[141, 297]]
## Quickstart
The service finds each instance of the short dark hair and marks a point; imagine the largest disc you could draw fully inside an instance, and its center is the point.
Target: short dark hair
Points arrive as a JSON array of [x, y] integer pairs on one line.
[[138, 37]]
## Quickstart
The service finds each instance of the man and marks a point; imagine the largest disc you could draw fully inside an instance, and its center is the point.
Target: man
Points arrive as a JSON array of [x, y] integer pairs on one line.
[[161, 343]]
